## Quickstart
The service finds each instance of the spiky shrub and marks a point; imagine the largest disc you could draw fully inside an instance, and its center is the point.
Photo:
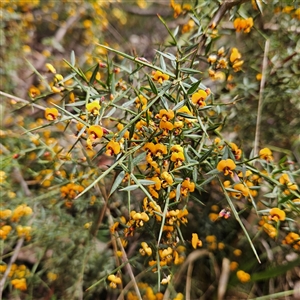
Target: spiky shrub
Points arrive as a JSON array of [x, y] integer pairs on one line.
[[141, 196]]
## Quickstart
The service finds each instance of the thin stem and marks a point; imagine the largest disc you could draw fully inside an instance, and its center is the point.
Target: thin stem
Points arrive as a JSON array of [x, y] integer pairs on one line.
[[260, 99]]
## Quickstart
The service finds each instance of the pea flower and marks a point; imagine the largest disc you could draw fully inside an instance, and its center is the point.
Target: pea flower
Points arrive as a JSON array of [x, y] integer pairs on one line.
[[93, 107], [160, 77], [51, 114], [266, 154], [195, 241], [114, 280], [243, 276], [95, 132], [243, 24], [50, 68], [199, 98], [276, 214], [112, 147], [226, 166], [145, 249]]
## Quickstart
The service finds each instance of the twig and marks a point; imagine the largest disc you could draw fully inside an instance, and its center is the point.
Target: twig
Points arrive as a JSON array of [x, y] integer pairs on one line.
[[260, 99], [190, 259], [19, 178], [9, 96], [125, 258], [12, 260], [188, 285], [223, 278]]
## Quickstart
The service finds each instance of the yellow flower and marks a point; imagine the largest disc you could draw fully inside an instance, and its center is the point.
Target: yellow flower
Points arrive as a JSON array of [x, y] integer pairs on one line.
[[235, 150], [4, 214], [187, 186], [145, 249], [233, 265], [235, 55], [188, 26], [237, 252], [51, 114], [112, 147], [114, 280], [34, 92], [4, 231], [270, 230], [93, 107], [160, 77], [266, 154], [52, 276], [19, 284], [199, 98], [276, 214], [167, 177], [243, 276], [165, 115], [50, 68], [2, 176], [258, 76], [243, 24], [195, 241], [95, 132], [226, 166], [24, 231], [58, 78], [177, 158], [243, 191]]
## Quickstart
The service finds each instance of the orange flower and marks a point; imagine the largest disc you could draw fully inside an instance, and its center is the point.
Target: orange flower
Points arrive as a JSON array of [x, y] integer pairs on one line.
[[235, 150], [243, 24], [34, 91], [112, 147], [199, 98], [276, 214], [51, 114], [165, 115], [243, 276], [160, 77], [187, 186], [195, 241], [266, 154], [226, 166], [95, 132], [235, 55]]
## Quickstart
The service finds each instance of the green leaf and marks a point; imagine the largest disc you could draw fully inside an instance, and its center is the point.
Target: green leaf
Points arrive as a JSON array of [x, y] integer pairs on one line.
[[93, 77], [162, 63], [73, 60], [259, 6], [117, 182], [130, 188], [193, 88], [275, 271], [138, 159], [152, 85], [169, 56], [190, 71]]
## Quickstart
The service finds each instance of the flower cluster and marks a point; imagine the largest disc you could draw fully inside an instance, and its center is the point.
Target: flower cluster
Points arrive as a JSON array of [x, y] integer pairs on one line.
[[243, 24]]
